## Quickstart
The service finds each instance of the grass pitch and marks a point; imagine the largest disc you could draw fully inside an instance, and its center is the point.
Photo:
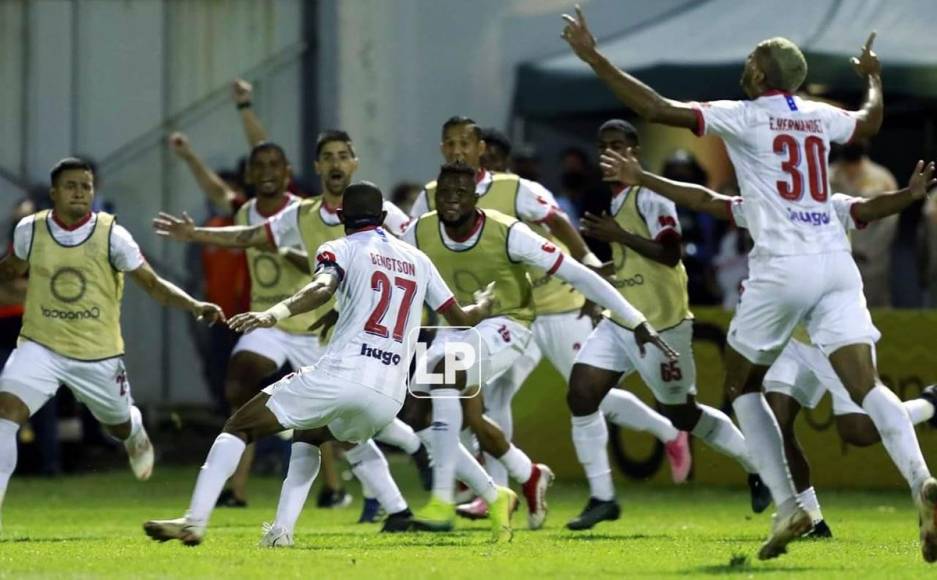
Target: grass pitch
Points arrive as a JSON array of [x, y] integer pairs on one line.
[[90, 527]]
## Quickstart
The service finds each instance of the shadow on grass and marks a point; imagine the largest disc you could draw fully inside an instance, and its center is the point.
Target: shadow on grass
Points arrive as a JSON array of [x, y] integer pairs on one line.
[[52, 540], [606, 537]]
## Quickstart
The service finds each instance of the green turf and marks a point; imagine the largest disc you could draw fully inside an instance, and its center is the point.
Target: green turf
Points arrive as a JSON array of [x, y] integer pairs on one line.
[[90, 527]]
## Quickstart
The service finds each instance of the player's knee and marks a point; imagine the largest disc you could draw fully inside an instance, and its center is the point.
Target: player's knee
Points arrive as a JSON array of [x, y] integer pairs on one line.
[[237, 392], [580, 399], [683, 417], [858, 430], [12, 408]]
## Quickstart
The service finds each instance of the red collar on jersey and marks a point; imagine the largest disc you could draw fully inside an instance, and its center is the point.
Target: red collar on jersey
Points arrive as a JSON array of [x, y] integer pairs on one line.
[[480, 175], [72, 227], [617, 189], [479, 222], [286, 201]]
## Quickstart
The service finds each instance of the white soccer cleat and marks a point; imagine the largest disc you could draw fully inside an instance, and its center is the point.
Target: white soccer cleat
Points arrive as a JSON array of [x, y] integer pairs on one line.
[[140, 451], [178, 529], [275, 537], [535, 492], [926, 501], [783, 531]]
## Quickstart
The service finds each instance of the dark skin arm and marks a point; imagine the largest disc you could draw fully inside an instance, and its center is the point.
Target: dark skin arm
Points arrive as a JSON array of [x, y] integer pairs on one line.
[[565, 232], [12, 267], [310, 297], [184, 230], [666, 250], [458, 315], [168, 294], [869, 117], [888, 204]]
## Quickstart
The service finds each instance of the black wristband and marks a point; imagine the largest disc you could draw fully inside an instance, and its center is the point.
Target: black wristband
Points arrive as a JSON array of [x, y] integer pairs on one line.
[[244, 105]]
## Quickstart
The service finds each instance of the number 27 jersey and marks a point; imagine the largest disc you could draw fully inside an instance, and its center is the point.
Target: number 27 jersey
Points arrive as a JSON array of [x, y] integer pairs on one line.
[[779, 145], [383, 285]]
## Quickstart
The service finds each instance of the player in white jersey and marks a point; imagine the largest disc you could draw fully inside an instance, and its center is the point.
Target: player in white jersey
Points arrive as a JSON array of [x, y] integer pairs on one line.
[[799, 376], [357, 387]]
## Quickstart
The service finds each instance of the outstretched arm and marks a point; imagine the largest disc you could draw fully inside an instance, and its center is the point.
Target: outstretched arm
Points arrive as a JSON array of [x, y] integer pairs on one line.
[[217, 191], [888, 204], [243, 94], [626, 169], [168, 294], [869, 117], [310, 297], [458, 315], [12, 267], [639, 97], [184, 230]]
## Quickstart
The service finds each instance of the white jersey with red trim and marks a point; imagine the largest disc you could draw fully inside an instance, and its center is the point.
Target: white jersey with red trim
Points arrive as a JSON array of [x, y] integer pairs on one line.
[[843, 206], [535, 203], [779, 144], [383, 284]]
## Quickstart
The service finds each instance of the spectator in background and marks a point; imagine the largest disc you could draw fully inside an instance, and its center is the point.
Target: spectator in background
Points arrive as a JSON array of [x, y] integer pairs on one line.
[[497, 155], [526, 162], [930, 251], [701, 232], [855, 174], [577, 178], [404, 194]]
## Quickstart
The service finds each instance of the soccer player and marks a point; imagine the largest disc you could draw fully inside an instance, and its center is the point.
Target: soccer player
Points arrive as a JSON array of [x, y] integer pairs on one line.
[[472, 247], [644, 232], [357, 387], [71, 334], [562, 321]]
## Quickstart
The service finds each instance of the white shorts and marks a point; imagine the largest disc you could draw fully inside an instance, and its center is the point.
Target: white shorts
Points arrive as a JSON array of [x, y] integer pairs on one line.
[[614, 348], [824, 290], [805, 374], [308, 399], [503, 341], [300, 350], [33, 374], [561, 337]]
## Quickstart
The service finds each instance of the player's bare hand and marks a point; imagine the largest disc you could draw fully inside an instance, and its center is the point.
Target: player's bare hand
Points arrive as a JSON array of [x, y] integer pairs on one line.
[[922, 180], [242, 91], [179, 229], [576, 33], [324, 323], [621, 168], [179, 144], [645, 334], [592, 310], [601, 227], [867, 64], [485, 298], [208, 313], [249, 321]]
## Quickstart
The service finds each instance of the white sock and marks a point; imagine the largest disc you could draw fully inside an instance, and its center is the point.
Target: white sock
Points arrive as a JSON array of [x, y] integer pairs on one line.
[[8, 430], [498, 404], [918, 410], [897, 433], [370, 466], [302, 472], [447, 421], [808, 500], [520, 467], [590, 437], [222, 460], [136, 420], [470, 472], [496, 469], [626, 410], [719, 432], [765, 447], [467, 437], [400, 435]]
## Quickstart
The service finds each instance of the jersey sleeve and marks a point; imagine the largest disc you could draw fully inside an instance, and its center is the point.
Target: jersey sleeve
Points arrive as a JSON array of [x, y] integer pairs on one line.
[[283, 228], [332, 256], [420, 205], [438, 295], [535, 203], [409, 235], [524, 245], [844, 205], [840, 125], [125, 253], [722, 118], [396, 221], [659, 213], [23, 237], [737, 211]]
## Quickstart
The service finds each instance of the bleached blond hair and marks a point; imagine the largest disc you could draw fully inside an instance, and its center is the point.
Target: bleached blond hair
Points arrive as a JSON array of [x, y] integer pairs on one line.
[[783, 63]]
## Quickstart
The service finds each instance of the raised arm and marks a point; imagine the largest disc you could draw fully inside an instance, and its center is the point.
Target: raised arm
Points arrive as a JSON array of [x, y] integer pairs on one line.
[[243, 94], [310, 297], [888, 204], [627, 169], [217, 191], [168, 294], [639, 97], [869, 117], [184, 230]]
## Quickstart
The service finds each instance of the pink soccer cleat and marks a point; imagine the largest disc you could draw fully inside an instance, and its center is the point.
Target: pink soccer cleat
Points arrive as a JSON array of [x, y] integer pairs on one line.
[[679, 457]]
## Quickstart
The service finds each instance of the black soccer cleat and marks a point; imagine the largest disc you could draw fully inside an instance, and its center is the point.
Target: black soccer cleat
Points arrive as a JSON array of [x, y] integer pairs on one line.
[[422, 460], [371, 511], [761, 495], [596, 511], [401, 521], [227, 499], [929, 394], [820, 531], [333, 498]]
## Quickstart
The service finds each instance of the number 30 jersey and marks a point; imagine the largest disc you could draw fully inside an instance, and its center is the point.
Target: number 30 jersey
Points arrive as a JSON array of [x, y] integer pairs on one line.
[[779, 145], [383, 285]]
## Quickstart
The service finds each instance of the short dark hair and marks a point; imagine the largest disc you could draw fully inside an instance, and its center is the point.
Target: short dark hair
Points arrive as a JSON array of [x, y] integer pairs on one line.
[[67, 164], [267, 146], [331, 136], [362, 204], [621, 126], [458, 121], [497, 138], [457, 168]]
